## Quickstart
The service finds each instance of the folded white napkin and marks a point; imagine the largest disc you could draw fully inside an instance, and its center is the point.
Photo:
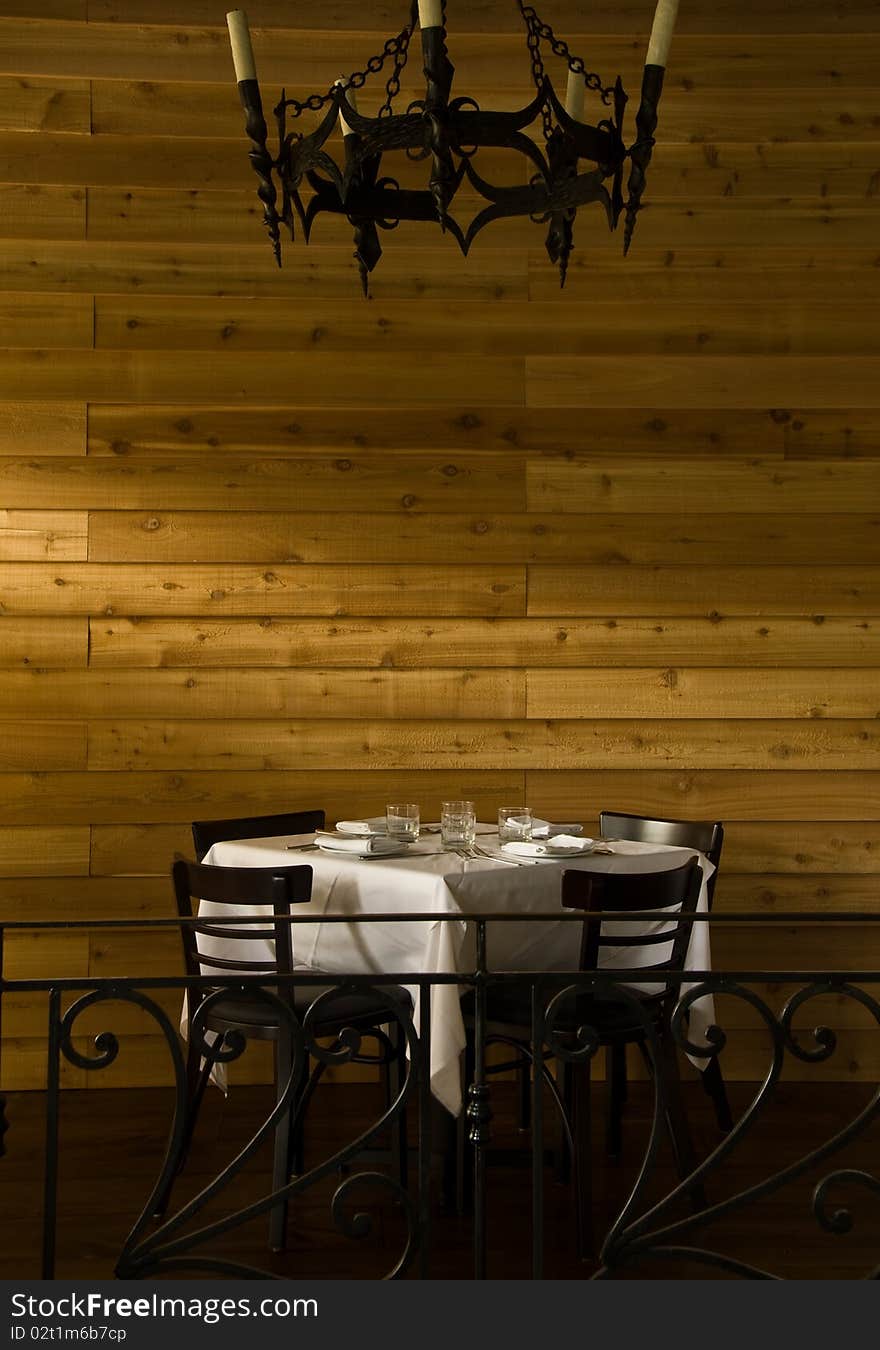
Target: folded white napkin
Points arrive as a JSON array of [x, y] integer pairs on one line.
[[377, 843], [562, 845], [375, 825], [546, 829]]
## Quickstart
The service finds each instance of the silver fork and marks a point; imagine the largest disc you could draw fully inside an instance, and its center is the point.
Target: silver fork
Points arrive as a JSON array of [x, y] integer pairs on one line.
[[476, 851]]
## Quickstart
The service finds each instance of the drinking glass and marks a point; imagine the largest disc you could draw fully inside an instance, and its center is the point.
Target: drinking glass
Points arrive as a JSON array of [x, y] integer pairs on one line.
[[514, 824], [458, 823], [402, 821]]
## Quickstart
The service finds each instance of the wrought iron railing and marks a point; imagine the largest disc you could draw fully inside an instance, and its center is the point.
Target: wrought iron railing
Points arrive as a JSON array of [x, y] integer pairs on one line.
[[645, 1229]]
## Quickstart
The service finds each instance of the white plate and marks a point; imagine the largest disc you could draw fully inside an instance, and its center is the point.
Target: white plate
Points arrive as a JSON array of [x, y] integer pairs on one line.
[[362, 829], [536, 852]]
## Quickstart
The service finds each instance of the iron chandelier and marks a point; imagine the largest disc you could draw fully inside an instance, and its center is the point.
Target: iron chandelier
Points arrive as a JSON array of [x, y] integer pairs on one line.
[[451, 132]]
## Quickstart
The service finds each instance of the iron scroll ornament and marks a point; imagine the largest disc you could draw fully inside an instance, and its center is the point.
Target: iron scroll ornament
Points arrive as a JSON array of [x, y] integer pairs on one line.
[[450, 132], [158, 1243]]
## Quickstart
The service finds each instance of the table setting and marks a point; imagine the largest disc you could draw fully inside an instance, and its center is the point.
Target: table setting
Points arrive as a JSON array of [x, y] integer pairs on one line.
[[452, 868]]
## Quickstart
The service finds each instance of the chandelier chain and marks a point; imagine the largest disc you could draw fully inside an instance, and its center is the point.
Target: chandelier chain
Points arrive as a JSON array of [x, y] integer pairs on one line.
[[396, 47], [392, 86], [536, 31]]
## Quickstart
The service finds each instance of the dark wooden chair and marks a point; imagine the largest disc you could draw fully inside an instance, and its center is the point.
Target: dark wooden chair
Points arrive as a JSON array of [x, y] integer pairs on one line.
[[278, 889], [708, 837], [209, 832], [616, 1022]]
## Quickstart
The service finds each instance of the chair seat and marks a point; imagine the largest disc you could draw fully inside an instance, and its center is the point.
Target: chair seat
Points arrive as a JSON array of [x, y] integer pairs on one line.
[[507, 1008], [258, 1017]]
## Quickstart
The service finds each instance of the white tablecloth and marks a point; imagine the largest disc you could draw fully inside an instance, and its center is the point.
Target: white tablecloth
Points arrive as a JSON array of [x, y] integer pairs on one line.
[[426, 881]]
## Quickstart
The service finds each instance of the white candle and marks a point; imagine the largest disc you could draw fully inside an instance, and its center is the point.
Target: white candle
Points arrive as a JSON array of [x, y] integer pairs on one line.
[[574, 96], [242, 51], [661, 33], [352, 99], [430, 14]]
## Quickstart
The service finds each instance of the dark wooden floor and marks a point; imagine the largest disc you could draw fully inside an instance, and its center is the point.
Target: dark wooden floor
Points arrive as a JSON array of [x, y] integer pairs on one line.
[[112, 1141]]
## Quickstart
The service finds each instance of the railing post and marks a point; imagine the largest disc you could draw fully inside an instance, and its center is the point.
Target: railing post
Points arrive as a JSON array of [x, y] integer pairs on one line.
[[537, 1134], [425, 1131], [50, 1176], [479, 1111], [4, 1123]]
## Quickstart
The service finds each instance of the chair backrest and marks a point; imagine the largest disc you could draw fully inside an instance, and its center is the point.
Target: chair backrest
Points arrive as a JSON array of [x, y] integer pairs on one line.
[[705, 835], [593, 892], [240, 888], [208, 832]]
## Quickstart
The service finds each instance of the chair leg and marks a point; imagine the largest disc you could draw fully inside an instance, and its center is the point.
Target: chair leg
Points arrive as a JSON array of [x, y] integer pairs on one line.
[[713, 1084], [581, 1126], [395, 1077], [296, 1145], [524, 1080], [458, 1169], [282, 1156], [676, 1116], [562, 1171], [615, 1068]]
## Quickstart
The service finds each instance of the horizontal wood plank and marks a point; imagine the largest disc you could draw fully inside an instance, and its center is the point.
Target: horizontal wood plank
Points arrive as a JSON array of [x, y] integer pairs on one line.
[[520, 328], [702, 794], [327, 272], [44, 105], [38, 535], [705, 381], [130, 429], [439, 643], [710, 275], [46, 321], [761, 846], [708, 591], [163, 797], [172, 798], [588, 483], [138, 850], [336, 536], [687, 691], [63, 644], [402, 482], [36, 211], [44, 850], [42, 428], [437, 744], [206, 693], [39, 956], [778, 892], [820, 434], [249, 270], [42, 746], [56, 898], [264, 377], [121, 588]]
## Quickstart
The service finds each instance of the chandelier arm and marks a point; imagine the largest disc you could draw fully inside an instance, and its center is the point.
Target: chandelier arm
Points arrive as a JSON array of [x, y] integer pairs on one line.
[[261, 161], [400, 131], [640, 153], [439, 74]]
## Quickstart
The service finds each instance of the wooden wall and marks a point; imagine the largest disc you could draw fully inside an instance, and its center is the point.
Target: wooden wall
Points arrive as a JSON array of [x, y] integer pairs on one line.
[[266, 545]]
